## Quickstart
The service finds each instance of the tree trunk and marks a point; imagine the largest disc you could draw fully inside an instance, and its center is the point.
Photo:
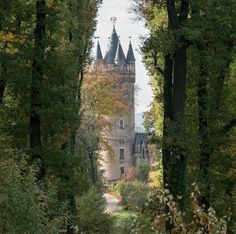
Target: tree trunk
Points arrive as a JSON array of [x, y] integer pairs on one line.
[[3, 81], [3, 67], [166, 145], [178, 159], [167, 96], [179, 162], [203, 137], [37, 76], [93, 168]]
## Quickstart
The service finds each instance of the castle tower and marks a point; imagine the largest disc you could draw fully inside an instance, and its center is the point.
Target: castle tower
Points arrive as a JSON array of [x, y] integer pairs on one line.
[[122, 136]]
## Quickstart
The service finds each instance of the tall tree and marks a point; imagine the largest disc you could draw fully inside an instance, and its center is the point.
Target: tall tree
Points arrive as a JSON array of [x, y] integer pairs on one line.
[[37, 77]]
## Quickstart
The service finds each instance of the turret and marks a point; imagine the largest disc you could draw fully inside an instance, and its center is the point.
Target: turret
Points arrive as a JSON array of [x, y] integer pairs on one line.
[[130, 59], [120, 59], [122, 134], [99, 57], [112, 48]]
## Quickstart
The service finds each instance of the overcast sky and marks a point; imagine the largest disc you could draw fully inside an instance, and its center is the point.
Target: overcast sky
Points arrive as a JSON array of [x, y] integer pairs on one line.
[[125, 27]]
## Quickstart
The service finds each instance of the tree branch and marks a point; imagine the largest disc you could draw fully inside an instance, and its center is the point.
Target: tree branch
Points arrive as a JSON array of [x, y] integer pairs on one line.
[[158, 69], [231, 124], [172, 14]]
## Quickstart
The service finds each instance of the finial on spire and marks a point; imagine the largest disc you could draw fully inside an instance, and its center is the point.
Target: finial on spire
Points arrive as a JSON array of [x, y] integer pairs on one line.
[[113, 20], [130, 40]]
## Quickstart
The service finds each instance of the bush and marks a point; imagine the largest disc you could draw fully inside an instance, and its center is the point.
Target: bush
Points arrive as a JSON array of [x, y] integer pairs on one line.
[[133, 193], [124, 222], [143, 171], [91, 213], [23, 204], [162, 207]]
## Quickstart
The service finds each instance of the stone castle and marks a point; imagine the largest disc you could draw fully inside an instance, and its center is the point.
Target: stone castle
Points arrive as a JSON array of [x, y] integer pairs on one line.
[[128, 147]]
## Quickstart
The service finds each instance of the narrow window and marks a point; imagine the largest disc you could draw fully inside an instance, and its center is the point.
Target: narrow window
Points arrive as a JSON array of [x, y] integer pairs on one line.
[[122, 154], [122, 171], [122, 141], [121, 124]]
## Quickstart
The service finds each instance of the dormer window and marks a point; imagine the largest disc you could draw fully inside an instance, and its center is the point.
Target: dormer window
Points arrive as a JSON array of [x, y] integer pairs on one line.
[[121, 124]]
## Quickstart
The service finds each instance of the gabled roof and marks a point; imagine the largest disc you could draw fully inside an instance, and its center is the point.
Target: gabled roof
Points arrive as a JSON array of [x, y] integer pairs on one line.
[[139, 138], [112, 48], [99, 53], [120, 56], [130, 55]]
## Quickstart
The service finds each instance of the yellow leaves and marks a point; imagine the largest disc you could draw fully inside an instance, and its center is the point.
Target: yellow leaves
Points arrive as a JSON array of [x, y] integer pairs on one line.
[[8, 39], [155, 179], [52, 4], [49, 3], [102, 94], [11, 50]]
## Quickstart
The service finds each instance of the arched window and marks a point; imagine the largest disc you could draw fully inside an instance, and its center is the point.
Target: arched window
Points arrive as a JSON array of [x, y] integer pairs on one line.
[[121, 124], [122, 141]]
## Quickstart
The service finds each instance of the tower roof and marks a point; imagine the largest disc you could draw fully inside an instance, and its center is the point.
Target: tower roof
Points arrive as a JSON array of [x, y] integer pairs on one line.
[[130, 54], [112, 48], [99, 53], [120, 56]]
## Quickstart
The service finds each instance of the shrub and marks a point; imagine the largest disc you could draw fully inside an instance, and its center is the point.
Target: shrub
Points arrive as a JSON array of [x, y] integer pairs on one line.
[[91, 213], [130, 174], [124, 221], [133, 193], [23, 204], [143, 171], [162, 207]]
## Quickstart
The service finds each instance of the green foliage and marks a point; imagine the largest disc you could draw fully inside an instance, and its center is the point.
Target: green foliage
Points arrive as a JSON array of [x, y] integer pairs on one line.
[[143, 170], [24, 207], [209, 36], [133, 194], [124, 221], [155, 216], [61, 161], [91, 213]]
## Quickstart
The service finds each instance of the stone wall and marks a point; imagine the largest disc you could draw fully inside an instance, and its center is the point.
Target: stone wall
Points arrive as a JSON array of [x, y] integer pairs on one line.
[[122, 136]]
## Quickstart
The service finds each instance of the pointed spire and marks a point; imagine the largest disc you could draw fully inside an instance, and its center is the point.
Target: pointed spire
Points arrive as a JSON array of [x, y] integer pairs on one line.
[[120, 56], [99, 53], [130, 54], [112, 47]]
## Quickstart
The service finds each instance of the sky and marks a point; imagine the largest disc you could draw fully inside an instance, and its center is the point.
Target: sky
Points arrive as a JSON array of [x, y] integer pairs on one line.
[[126, 27]]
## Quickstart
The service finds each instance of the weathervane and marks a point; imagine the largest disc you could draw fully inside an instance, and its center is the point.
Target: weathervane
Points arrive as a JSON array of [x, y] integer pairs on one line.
[[113, 19]]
